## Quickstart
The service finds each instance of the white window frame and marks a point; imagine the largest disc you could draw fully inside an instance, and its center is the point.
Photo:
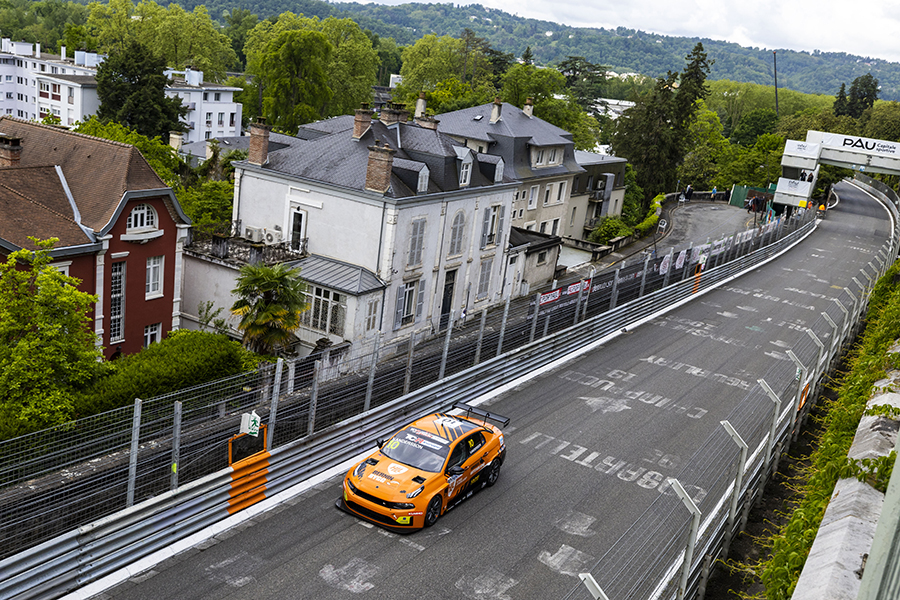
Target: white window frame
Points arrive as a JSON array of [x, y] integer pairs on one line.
[[117, 302], [492, 225], [153, 287], [561, 192], [547, 193], [410, 300], [416, 242], [142, 218], [484, 278], [457, 234], [327, 311], [152, 333], [372, 314], [465, 173], [533, 196]]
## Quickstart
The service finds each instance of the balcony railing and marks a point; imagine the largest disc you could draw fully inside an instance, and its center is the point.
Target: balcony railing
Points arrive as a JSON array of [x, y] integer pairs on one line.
[[238, 250]]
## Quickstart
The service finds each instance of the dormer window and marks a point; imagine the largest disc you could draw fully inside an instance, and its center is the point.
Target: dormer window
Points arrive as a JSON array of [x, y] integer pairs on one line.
[[498, 172], [142, 224], [423, 181], [546, 157], [142, 217], [465, 172]]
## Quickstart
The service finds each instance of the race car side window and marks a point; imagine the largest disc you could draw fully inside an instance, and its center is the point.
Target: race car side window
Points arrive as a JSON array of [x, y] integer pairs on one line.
[[474, 443], [459, 455]]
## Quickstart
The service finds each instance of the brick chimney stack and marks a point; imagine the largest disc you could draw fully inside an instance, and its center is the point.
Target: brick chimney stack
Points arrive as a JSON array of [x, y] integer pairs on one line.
[[378, 170], [496, 109], [420, 105], [258, 152], [362, 121], [427, 121], [10, 150], [529, 107], [393, 114]]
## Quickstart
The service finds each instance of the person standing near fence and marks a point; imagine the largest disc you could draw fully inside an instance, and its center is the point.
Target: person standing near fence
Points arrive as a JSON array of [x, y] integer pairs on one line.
[[714, 194]]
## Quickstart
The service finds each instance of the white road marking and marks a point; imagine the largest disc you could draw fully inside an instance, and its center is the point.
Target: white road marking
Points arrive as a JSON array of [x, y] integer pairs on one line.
[[780, 344], [727, 315], [492, 584], [607, 405], [748, 308], [567, 560], [777, 355], [351, 577], [576, 523], [235, 571]]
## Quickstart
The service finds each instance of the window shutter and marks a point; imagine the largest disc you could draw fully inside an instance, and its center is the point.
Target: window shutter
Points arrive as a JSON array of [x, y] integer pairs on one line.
[[485, 226], [499, 237], [398, 315], [420, 301]]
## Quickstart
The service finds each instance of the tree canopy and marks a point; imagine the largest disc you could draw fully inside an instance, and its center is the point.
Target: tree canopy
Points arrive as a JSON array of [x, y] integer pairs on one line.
[[47, 343], [270, 300]]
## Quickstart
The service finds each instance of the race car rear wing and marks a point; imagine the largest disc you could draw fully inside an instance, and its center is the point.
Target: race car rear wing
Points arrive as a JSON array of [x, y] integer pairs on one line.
[[481, 413]]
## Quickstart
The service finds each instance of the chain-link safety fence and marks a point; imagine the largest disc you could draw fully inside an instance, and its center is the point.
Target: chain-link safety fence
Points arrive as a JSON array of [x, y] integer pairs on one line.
[[55, 480]]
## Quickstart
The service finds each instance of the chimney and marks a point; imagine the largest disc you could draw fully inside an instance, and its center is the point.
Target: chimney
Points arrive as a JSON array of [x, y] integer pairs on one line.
[[529, 107], [362, 121], [378, 170], [175, 140], [37, 50], [428, 122], [10, 150], [258, 153], [495, 110], [62, 53], [393, 114], [420, 105]]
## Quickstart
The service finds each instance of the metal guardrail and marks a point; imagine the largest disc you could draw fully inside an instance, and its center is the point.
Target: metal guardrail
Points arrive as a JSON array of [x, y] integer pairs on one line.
[[89, 553]]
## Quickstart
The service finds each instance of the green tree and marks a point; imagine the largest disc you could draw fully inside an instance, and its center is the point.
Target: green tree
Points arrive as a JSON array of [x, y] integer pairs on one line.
[[841, 106], [862, 95], [427, 63], [238, 24], [882, 121], [270, 300], [706, 148], [47, 345], [131, 87], [111, 25], [691, 86], [528, 56], [754, 124], [390, 58], [585, 81]]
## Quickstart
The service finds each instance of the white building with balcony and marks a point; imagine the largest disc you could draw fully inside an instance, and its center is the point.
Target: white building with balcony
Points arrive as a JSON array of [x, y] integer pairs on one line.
[[212, 109]]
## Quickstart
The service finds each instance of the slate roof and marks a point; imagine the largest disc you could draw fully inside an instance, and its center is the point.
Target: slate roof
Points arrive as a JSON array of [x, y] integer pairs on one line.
[[277, 141], [535, 240], [329, 154], [337, 275], [33, 201], [98, 172], [595, 158], [82, 80]]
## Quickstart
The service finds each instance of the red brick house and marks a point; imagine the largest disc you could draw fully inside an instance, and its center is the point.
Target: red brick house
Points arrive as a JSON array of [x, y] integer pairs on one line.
[[120, 227]]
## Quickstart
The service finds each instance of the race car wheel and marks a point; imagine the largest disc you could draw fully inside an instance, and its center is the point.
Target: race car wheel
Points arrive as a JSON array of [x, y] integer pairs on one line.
[[433, 511], [494, 473]]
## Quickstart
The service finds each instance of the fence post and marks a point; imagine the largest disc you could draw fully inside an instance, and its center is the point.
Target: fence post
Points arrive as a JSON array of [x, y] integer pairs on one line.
[[273, 411], [292, 369], [132, 455], [503, 325], [692, 540], [835, 340], [176, 445], [816, 372], [771, 443], [671, 266], [480, 336], [446, 346], [644, 276], [371, 384], [738, 480], [407, 378], [615, 289], [687, 261], [844, 325], [587, 296], [534, 319], [314, 398], [802, 373], [578, 301]]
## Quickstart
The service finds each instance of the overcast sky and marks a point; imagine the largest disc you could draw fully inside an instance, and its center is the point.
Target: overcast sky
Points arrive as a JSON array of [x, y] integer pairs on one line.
[[860, 27]]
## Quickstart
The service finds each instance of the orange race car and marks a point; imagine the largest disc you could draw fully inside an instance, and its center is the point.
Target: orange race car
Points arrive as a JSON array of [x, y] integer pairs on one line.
[[425, 469]]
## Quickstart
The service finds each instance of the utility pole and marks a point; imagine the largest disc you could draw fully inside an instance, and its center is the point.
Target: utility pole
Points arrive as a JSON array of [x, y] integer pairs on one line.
[[775, 65]]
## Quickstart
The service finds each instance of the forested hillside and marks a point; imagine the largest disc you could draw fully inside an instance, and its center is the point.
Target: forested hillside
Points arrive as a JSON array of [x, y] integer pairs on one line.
[[622, 50]]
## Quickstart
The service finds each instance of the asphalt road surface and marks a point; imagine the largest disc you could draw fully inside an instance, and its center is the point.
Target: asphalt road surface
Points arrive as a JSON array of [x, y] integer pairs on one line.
[[552, 513]]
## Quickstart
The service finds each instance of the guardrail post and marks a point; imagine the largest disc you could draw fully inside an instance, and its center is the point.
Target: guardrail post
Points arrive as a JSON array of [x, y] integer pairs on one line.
[[816, 367], [503, 325], [578, 301], [587, 296], [534, 319], [480, 336], [687, 261], [176, 445], [846, 324], [371, 383], [671, 266], [615, 289], [407, 378], [692, 539], [132, 455], [446, 351], [273, 411], [771, 443], [738, 480], [313, 398], [644, 276], [292, 369], [835, 340], [802, 373]]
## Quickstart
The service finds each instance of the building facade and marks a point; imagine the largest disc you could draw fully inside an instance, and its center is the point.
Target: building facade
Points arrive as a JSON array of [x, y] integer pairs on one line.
[[120, 228]]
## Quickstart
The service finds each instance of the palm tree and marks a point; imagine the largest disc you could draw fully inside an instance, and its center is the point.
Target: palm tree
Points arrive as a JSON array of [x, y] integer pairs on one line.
[[270, 300]]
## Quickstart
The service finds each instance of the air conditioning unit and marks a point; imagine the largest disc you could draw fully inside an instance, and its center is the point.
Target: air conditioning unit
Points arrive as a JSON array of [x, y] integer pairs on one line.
[[254, 234], [272, 236]]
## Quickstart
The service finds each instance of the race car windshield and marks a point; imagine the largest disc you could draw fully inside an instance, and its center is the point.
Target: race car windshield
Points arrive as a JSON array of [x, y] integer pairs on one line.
[[416, 451]]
